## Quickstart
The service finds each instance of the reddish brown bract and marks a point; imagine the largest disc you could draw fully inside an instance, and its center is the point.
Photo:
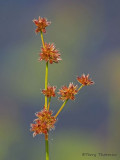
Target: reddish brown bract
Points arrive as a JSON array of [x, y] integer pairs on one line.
[[50, 92], [41, 24], [68, 92], [43, 123], [49, 53], [85, 80]]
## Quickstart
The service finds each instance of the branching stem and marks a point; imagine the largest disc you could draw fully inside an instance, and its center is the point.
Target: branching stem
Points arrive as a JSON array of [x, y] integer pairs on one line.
[[49, 103], [61, 108], [80, 87]]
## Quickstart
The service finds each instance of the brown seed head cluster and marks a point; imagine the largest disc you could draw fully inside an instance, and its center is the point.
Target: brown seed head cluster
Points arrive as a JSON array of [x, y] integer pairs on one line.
[[49, 53], [50, 92], [85, 80], [68, 92], [41, 24], [43, 123]]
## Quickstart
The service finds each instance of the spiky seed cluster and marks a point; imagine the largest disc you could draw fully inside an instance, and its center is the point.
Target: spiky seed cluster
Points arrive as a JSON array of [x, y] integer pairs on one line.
[[41, 24], [43, 123], [68, 92], [50, 92], [49, 53], [85, 80]]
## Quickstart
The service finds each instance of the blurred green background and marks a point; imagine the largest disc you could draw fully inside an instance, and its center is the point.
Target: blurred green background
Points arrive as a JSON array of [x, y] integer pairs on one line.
[[87, 33]]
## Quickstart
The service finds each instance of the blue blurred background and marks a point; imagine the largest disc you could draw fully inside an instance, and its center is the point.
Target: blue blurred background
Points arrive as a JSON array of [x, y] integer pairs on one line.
[[87, 33]]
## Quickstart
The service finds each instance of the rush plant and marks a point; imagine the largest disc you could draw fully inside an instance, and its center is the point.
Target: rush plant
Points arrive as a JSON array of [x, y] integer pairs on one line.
[[45, 120]]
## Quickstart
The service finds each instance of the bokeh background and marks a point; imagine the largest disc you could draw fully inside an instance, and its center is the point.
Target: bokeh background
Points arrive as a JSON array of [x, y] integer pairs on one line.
[[87, 33]]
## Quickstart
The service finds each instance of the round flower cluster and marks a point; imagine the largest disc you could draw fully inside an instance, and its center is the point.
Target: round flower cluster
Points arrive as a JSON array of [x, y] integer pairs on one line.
[[50, 92], [68, 92], [43, 123], [49, 53], [85, 80], [41, 24]]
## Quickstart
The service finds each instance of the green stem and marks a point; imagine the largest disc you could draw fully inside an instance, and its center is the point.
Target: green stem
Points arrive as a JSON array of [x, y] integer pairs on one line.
[[46, 73], [46, 83], [42, 39], [80, 87], [49, 103], [47, 148], [61, 108]]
